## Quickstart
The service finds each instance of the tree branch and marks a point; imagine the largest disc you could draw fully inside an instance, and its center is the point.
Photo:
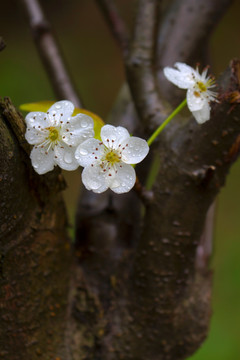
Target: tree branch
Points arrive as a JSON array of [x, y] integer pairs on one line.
[[116, 24], [140, 73], [172, 293], [50, 53], [34, 253]]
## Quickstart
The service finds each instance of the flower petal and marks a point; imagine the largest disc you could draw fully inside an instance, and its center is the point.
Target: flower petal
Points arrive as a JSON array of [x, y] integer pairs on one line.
[[113, 136], [42, 161], [182, 79], [65, 156], [94, 179], [37, 120], [195, 100], [89, 151], [35, 136], [79, 129], [186, 69], [202, 115], [124, 179], [60, 111], [136, 150]]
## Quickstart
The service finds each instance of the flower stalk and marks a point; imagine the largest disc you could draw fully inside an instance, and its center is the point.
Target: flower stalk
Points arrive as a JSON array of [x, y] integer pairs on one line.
[[164, 124]]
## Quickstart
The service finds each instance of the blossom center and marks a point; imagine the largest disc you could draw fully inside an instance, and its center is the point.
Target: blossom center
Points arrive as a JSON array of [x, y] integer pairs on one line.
[[112, 157], [53, 133], [202, 87]]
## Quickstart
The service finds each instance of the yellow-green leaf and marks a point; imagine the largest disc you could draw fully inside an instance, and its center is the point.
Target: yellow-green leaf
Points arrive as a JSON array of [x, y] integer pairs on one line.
[[45, 105]]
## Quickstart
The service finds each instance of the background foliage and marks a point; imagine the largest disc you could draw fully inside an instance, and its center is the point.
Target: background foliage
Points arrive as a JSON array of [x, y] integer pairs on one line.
[[95, 63]]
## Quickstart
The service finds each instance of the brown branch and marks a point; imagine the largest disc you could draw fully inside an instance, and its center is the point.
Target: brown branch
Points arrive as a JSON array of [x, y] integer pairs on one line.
[[140, 73], [34, 253], [116, 23], [50, 53], [183, 35], [173, 295]]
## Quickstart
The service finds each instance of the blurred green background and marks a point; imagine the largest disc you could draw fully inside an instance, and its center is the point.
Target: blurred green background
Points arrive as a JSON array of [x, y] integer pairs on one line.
[[95, 62]]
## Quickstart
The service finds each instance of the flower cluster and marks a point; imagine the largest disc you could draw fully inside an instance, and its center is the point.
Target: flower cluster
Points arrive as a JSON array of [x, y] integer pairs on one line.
[[198, 88], [66, 141]]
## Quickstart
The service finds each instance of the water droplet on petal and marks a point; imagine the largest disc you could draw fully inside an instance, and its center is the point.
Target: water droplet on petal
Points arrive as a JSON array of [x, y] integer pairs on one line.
[[68, 158], [83, 151], [58, 106], [84, 123]]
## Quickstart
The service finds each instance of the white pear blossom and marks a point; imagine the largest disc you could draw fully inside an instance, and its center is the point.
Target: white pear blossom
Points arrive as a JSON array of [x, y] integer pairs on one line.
[[107, 163], [55, 136], [198, 88]]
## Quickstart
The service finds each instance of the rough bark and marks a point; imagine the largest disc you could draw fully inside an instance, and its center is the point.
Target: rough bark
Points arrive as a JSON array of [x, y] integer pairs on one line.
[[34, 251]]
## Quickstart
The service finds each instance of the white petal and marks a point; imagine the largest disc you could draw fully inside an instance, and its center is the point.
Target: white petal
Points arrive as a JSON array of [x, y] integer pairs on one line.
[[42, 161], [36, 119], [79, 129], [89, 151], [124, 180], [65, 156], [94, 179], [35, 136], [60, 111], [202, 115], [113, 136], [195, 100], [181, 79], [185, 69], [135, 150]]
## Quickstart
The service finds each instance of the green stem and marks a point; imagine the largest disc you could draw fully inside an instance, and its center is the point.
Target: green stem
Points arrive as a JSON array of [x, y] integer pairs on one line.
[[169, 118]]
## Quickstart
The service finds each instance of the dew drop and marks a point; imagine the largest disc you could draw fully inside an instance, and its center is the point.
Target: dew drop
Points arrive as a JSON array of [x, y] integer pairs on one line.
[[58, 106], [84, 123], [83, 151], [68, 158]]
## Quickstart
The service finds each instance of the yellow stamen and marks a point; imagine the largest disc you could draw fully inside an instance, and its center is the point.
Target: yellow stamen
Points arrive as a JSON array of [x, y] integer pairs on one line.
[[202, 87], [112, 157], [53, 133]]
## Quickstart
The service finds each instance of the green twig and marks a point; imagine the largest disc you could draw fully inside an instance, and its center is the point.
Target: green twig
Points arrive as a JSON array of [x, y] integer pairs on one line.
[[169, 118]]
